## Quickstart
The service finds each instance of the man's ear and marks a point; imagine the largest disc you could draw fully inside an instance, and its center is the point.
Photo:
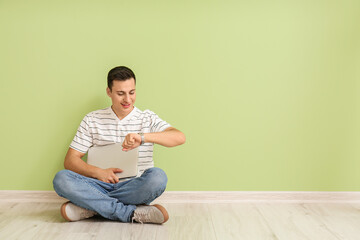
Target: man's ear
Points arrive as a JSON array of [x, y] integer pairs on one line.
[[108, 91]]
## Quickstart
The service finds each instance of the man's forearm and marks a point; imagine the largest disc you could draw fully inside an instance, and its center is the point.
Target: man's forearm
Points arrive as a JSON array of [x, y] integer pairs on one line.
[[77, 165], [167, 138]]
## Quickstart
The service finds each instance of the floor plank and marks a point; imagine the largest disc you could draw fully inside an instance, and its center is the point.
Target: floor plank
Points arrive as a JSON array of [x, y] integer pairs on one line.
[[188, 219], [239, 221], [42, 220], [343, 220], [293, 221]]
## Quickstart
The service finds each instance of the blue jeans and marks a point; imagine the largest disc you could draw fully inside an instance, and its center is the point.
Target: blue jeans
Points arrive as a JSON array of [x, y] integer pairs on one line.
[[115, 201]]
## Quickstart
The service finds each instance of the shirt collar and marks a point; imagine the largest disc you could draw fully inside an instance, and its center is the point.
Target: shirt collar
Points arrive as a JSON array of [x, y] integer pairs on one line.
[[126, 118]]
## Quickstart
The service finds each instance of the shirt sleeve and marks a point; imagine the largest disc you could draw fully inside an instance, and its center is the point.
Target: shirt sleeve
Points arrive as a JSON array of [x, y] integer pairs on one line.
[[83, 139], [157, 124]]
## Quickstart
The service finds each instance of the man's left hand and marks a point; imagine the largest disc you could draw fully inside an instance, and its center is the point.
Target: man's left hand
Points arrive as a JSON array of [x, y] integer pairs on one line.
[[132, 140]]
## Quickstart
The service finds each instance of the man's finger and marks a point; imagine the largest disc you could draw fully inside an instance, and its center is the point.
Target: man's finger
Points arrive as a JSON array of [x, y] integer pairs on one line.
[[114, 178], [128, 149], [125, 143], [129, 146]]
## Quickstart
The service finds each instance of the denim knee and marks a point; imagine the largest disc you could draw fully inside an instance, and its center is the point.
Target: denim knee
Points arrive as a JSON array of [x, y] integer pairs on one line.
[[156, 179], [60, 182]]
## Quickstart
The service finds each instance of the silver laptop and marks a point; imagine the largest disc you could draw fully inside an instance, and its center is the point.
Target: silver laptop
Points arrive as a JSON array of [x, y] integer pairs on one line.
[[112, 156]]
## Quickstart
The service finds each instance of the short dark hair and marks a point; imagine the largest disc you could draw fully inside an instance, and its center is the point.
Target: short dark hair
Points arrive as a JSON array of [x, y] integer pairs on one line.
[[120, 73]]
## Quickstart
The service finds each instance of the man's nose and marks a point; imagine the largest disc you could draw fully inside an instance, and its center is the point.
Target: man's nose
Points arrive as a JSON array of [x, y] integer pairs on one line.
[[127, 98]]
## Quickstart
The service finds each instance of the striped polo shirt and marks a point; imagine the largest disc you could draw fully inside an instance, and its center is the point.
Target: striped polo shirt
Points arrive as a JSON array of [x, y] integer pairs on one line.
[[103, 127]]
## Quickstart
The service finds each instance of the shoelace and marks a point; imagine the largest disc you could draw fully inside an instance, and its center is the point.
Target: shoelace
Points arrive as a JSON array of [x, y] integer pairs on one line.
[[141, 216], [86, 214]]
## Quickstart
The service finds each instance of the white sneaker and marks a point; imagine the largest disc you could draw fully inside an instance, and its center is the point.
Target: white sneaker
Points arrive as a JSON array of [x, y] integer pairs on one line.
[[72, 213], [150, 214]]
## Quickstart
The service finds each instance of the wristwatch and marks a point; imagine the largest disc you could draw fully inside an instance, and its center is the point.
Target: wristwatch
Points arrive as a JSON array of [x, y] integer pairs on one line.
[[142, 138]]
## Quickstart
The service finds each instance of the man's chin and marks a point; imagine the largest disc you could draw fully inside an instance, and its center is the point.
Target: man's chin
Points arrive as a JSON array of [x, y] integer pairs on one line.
[[129, 108]]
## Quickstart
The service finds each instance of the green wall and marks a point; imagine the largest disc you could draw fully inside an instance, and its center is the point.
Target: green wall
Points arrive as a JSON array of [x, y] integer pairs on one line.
[[267, 92]]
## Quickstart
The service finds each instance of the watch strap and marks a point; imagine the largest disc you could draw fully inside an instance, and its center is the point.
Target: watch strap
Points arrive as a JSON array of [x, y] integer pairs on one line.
[[142, 138]]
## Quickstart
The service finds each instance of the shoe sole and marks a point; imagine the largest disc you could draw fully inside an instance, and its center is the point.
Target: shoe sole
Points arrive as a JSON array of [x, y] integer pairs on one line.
[[163, 211], [63, 212]]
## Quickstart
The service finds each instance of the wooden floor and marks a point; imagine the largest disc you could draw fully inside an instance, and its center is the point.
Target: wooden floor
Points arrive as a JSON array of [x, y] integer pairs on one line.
[[222, 221]]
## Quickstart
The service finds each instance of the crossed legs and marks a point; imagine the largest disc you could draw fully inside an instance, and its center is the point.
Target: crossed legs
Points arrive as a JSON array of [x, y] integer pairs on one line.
[[113, 201]]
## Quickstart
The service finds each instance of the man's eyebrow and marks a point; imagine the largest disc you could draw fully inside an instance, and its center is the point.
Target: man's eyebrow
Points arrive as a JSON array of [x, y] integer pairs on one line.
[[124, 91]]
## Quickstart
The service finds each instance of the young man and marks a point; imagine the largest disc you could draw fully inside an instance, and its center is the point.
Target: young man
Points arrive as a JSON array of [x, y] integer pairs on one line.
[[92, 190]]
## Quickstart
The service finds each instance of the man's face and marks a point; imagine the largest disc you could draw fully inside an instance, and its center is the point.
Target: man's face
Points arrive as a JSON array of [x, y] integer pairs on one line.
[[123, 96]]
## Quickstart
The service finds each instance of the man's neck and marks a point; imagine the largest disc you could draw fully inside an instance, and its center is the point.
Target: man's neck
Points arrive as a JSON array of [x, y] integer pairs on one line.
[[119, 115]]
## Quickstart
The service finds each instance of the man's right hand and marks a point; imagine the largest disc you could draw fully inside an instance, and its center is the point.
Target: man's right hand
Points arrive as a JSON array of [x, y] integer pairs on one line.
[[108, 175]]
